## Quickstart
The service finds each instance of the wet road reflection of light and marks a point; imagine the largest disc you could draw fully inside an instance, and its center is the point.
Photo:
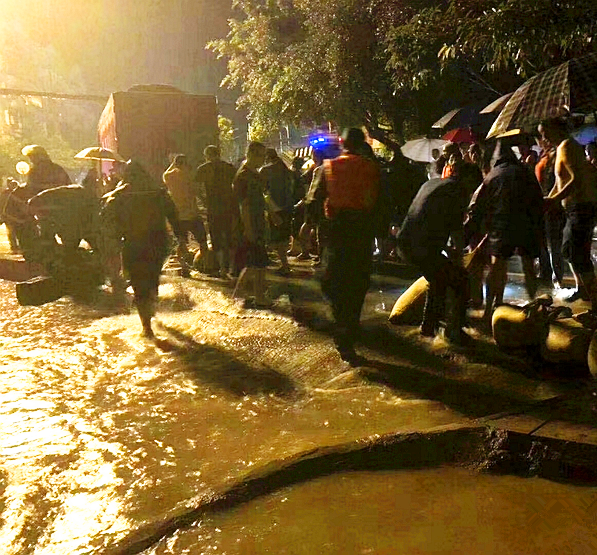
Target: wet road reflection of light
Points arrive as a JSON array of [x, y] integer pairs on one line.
[[102, 431]]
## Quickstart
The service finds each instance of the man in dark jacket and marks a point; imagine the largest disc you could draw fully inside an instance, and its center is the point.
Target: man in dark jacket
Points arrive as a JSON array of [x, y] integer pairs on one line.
[[44, 174], [349, 187], [510, 206], [135, 216], [279, 188], [436, 215]]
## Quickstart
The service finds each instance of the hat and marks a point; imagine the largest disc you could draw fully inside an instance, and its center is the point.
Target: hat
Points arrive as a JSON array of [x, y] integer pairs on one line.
[[34, 150]]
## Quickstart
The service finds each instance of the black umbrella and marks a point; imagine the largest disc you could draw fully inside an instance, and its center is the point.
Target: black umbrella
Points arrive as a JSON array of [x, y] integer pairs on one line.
[[569, 87], [496, 105], [467, 116]]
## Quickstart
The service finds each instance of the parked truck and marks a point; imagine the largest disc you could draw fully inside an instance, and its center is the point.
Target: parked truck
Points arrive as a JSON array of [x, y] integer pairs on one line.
[[152, 123]]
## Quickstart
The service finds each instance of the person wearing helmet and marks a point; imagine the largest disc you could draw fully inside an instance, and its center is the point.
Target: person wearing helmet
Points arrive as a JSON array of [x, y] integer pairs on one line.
[[44, 174]]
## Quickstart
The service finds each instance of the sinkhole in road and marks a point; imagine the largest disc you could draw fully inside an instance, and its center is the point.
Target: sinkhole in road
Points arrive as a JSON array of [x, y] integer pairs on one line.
[[490, 490]]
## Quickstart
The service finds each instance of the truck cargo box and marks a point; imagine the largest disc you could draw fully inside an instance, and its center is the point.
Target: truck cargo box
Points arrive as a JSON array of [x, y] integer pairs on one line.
[[151, 123]]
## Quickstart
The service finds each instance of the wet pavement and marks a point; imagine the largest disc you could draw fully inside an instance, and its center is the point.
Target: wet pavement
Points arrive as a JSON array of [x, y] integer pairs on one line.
[[103, 431]]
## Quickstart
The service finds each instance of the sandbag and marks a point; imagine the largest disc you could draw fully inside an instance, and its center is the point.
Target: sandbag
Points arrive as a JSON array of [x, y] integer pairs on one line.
[[39, 290], [19, 270], [567, 342], [516, 327], [476, 260], [408, 309], [592, 355]]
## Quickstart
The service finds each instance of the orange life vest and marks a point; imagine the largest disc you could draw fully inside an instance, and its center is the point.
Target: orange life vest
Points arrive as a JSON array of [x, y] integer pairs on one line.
[[352, 182]]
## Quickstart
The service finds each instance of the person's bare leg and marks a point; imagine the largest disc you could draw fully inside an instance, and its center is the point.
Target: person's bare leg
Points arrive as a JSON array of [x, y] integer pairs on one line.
[[146, 311], [281, 249], [244, 277], [259, 287], [530, 279], [305, 240], [580, 291], [577, 280]]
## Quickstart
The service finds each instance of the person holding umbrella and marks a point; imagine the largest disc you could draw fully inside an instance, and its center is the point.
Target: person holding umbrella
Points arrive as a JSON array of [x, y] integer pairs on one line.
[[575, 189], [93, 181]]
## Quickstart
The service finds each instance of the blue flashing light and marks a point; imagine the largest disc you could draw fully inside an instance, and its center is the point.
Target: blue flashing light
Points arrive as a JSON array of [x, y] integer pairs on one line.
[[322, 140]]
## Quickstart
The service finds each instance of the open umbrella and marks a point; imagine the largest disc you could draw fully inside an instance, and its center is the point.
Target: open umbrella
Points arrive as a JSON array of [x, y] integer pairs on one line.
[[448, 119], [460, 135], [419, 150], [99, 153], [568, 87], [496, 105], [466, 116]]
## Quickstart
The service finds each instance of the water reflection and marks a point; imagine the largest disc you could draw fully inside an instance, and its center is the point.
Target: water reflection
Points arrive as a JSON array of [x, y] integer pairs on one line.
[[103, 431]]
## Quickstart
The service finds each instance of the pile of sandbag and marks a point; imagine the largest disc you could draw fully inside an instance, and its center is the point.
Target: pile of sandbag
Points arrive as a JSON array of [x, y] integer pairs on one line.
[[408, 309], [554, 331]]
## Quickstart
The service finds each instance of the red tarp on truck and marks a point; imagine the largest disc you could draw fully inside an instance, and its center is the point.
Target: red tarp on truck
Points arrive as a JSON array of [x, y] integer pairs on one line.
[[151, 124]]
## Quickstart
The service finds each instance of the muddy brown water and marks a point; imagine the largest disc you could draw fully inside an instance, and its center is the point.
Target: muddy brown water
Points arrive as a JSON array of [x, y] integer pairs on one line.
[[103, 431], [447, 511]]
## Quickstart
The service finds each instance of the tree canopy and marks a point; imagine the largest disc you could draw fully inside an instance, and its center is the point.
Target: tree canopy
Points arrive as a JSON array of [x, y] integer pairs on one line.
[[394, 66]]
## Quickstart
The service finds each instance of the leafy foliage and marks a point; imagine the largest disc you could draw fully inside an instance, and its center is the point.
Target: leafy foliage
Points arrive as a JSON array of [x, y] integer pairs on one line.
[[393, 65], [307, 62], [229, 146]]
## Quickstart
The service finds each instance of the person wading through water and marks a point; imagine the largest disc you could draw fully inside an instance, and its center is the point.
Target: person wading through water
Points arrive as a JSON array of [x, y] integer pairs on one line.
[[249, 189], [178, 179], [136, 213], [436, 214], [349, 186], [214, 179], [509, 206]]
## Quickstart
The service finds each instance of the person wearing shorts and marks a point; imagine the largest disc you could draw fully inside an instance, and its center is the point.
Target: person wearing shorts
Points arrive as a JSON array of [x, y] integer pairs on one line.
[[575, 189], [509, 205]]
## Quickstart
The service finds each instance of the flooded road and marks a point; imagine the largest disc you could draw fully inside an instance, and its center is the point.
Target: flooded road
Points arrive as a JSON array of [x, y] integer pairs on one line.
[[103, 431]]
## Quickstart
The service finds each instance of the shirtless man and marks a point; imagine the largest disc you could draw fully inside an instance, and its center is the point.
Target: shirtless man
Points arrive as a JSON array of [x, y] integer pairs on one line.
[[576, 189]]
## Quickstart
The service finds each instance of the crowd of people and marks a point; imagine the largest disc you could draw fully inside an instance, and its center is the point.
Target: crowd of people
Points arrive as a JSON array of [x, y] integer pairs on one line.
[[238, 219], [537, 205], [336, 208]]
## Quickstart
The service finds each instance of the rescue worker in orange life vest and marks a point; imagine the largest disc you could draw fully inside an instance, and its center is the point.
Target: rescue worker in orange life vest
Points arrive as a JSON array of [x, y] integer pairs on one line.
[[348, 186]]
